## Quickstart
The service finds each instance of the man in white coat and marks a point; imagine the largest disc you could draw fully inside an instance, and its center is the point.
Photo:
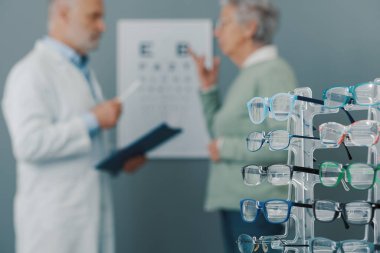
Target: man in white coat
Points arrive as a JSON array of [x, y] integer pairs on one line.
[[56, 115]]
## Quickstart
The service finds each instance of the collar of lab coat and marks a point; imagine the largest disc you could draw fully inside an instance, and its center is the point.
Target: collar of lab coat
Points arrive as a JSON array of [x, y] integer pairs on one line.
[[80, 61], [265, 53]]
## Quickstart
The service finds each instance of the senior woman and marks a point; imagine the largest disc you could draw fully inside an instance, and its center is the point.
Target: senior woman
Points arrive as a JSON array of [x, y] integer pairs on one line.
[[244, 33]]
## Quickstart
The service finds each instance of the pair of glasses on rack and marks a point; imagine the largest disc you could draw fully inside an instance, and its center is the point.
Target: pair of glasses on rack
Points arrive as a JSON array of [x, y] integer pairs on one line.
[[360, 133], [360, 176], [249, 244], [364, 94], [278, 211], [325, 245], [277, 140], [279, 106]]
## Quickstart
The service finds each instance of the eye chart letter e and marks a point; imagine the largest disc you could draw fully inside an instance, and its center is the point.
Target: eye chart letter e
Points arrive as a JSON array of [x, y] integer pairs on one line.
[[155, 53]]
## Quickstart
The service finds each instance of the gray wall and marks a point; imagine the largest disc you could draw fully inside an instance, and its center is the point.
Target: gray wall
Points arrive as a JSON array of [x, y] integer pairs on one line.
[[326, 41]]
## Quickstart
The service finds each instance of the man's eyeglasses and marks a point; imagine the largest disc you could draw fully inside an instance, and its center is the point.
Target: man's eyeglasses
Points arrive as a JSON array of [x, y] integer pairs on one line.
[[366, 94], [360, 133], [360, 176], [279, 106], [278, 140], [278, 210]]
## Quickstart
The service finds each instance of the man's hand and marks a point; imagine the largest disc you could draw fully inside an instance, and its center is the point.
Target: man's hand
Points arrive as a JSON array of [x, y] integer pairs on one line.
[[134, 163], [214, 151], [108, 113], [208, 77]]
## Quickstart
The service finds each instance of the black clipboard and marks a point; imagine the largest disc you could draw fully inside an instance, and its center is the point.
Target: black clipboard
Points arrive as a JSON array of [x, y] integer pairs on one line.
[[151, 140]]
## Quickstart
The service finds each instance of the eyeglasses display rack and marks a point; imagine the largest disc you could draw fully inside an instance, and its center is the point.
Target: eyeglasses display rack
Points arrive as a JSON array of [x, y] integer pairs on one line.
[[300, 233], [301, 154], [373, 113]]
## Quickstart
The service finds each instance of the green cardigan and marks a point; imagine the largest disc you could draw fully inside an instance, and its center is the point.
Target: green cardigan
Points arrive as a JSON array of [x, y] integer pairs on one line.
[[230, 122]]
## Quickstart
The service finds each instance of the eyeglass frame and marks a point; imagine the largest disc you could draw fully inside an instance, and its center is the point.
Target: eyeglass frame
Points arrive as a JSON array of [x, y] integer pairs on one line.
[[345, 171], [292, 168], [269, 103], [266, 139], [339, 244], [296, 97], [261, 207], [346, 130], [341, 211], [257, 242], [350, 100], [295, 168]]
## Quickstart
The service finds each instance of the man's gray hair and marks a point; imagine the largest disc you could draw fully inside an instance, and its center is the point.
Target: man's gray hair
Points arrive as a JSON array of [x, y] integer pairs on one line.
[[260, 11]]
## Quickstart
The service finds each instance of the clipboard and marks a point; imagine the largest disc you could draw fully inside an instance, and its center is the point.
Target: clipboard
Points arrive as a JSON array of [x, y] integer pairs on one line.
[[151, 140]]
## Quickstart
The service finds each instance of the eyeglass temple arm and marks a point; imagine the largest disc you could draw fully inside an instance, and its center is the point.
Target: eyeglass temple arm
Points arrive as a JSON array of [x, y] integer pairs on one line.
[[305, 137], [295, 245], [305, 169], [344, 218], [320, 102], [352, 120], [302, 205], [311, 100], [347, 151]]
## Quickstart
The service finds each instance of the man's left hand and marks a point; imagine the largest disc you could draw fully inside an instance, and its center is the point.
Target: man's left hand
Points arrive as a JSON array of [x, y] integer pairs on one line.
[[134, 164]]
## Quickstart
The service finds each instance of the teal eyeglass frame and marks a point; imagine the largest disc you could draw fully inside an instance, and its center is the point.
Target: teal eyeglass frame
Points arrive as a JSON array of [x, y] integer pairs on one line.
[[348, 99], [346, 173], [269, 104]]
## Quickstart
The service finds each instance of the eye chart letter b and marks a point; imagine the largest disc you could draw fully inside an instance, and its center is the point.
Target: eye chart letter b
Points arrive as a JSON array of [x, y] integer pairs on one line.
[[155, 52]]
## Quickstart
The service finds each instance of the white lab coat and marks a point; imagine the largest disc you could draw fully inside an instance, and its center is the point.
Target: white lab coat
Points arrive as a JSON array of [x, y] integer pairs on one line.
[[62, 204]]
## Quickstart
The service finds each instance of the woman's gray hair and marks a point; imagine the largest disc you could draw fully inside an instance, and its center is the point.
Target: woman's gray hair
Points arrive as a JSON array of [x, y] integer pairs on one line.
[[262, 12]]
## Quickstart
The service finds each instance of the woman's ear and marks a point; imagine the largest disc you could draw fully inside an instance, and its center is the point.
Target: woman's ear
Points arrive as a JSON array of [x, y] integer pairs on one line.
[[250, 29]]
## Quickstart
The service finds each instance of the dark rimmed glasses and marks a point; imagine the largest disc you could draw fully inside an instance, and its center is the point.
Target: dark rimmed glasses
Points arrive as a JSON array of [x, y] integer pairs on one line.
[[278, 211]]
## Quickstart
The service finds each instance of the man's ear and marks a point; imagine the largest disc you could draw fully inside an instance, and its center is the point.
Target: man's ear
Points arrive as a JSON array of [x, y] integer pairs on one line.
[[63, 11]]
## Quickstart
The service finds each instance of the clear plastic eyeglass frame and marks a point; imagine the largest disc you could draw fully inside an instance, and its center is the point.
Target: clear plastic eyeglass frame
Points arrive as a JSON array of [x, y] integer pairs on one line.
[[360, 133], [280, 106]]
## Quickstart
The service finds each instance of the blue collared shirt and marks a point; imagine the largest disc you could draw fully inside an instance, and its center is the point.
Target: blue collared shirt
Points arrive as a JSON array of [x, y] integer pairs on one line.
[[81, 62]]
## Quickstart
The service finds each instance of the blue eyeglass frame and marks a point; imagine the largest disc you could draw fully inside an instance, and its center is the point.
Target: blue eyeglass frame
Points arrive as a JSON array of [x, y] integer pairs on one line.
[[266, 138], [339, 244], [348, 99], [261, 207], [267, 108]]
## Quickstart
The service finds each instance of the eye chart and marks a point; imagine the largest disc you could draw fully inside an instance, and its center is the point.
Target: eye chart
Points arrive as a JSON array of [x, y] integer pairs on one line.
[[155, 54]]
